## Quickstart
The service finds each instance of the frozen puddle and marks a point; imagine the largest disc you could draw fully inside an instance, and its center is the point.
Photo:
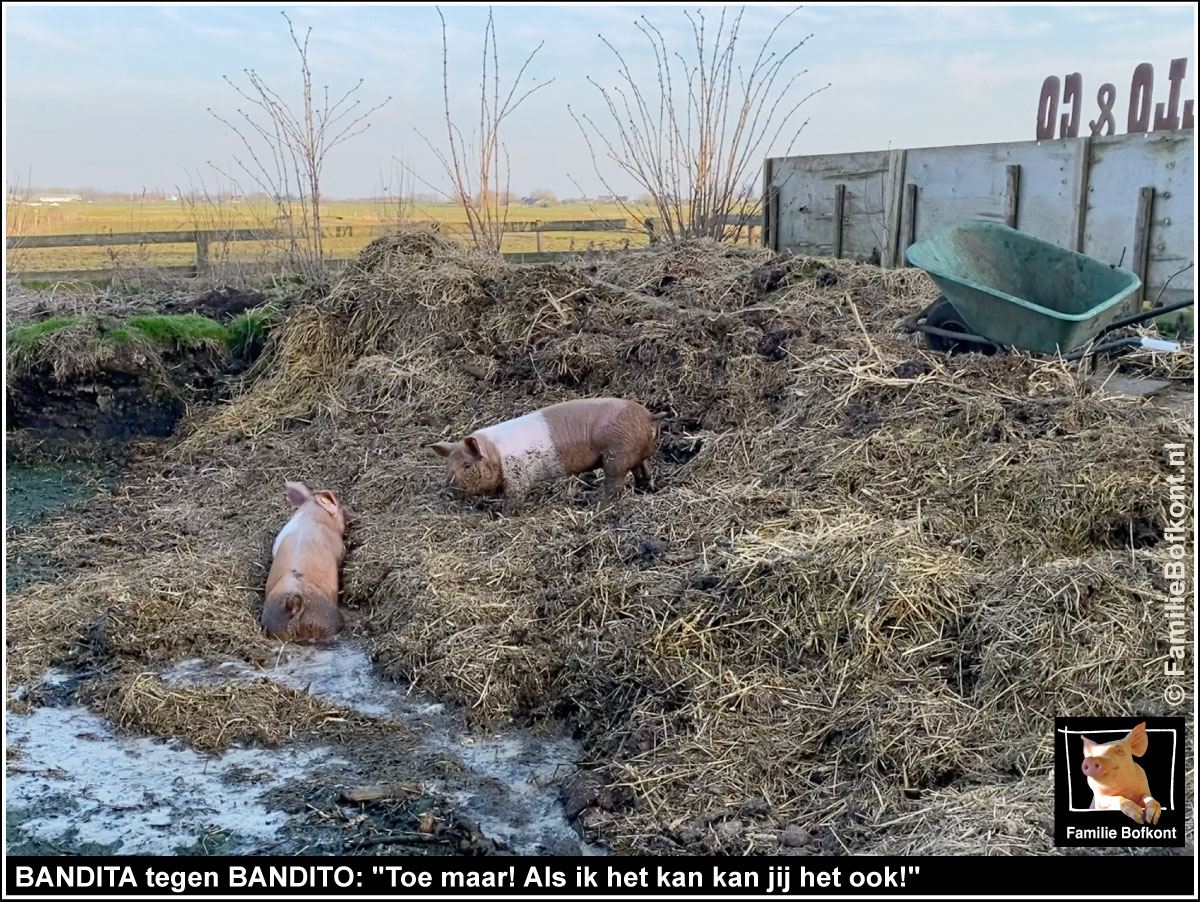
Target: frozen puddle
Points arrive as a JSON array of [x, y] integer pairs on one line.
[[510, 784], [75, 782]]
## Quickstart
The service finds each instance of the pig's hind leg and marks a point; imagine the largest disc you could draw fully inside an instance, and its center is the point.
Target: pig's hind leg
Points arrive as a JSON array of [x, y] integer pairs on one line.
[[614, 480], [627, 441]]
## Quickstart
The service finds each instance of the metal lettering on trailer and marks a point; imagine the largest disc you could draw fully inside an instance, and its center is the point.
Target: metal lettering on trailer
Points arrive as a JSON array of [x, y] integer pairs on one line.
[[1143, 115]]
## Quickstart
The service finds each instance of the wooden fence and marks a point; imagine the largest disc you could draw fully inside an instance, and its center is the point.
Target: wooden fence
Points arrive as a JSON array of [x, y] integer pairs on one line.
[[204, 239]]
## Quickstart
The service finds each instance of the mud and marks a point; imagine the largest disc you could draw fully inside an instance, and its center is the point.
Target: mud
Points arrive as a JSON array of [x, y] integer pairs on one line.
[[220, 304], [134, 394], [116, 404], [32, 490], [511, 783], [74, 785]]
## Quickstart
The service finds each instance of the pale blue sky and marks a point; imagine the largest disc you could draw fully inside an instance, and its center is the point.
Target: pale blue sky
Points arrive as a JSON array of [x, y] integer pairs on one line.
[[114, 97]]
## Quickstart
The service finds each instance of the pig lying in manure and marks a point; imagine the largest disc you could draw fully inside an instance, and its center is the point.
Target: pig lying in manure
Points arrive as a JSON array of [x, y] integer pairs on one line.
[[1118, 782], [561, 440], [302, 586]]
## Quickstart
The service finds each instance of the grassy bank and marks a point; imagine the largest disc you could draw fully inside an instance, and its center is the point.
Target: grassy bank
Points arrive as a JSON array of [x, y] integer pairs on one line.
[[78, 344]]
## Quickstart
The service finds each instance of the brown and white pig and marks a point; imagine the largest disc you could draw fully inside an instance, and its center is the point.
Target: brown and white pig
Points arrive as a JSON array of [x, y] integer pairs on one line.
[[1118, 782], [302, 585], [560, 440]]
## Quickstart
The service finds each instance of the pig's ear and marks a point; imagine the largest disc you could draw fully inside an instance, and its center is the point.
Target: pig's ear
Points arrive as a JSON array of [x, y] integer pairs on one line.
[[1138, 740], [472, 446], [442, 449], [297, 493], [1088, 745], [327, 500]]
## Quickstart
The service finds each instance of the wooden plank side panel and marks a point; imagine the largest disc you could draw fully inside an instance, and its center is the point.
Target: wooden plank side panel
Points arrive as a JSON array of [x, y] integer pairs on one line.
[[1120, 167], [971, 183], [808, 199]]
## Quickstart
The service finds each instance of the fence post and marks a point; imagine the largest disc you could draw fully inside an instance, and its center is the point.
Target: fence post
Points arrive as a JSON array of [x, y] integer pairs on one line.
[[768, 195], [201, 253], [1012, 194], [1081, 201], [889, 257], [1141, 243], [910, 221], [839, 218], [538, 233], [648, 225]]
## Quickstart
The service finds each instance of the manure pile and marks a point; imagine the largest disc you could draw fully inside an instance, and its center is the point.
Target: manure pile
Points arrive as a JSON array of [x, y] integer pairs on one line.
[[868, 578]]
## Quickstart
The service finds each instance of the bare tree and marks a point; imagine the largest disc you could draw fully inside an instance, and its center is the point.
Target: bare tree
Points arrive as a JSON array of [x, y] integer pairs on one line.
[[287, 149], [695, 142], [478, 170]]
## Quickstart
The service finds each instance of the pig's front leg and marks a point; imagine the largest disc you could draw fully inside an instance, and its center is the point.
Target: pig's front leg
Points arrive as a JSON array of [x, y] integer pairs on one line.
[[1131, 808], [513, 497], [1153, 809], [610, 491]]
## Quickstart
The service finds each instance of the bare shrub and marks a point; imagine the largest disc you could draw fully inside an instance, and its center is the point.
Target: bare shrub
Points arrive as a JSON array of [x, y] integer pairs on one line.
[[478, 169], [395, 203], [287, 150], [212, 208], [694, 138]]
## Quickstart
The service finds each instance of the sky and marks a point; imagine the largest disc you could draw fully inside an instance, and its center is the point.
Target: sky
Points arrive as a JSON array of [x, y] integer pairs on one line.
[[118, 97]]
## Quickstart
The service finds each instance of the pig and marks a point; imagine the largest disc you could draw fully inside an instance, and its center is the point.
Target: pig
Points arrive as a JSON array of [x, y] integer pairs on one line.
[[302, 585], [1117, 781], [560, 440]]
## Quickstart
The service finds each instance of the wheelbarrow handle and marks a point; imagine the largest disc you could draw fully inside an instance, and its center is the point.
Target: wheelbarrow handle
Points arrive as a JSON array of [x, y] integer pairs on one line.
[[1144, 315], [1104, 347]]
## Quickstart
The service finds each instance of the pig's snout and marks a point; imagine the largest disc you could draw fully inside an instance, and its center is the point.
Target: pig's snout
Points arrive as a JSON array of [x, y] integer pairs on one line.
[[1093, 767]]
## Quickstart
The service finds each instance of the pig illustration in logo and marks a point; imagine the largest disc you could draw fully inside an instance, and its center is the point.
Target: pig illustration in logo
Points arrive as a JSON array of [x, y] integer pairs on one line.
[[1118, 782]]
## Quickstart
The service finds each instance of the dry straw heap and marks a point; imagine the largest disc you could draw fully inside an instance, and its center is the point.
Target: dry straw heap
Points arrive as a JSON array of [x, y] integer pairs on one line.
[[868, 577]]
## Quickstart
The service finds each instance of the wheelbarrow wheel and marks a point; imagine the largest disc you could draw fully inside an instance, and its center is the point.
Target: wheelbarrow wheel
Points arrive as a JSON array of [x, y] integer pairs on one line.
[[942, 315]]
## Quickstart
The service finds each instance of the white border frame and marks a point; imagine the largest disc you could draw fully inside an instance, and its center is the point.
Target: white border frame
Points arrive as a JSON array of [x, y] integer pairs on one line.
[[1174, 750]]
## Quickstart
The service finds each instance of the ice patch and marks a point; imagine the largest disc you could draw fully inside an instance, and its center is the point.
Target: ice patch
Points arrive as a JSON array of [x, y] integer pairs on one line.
[[144, 796], [513, 795]]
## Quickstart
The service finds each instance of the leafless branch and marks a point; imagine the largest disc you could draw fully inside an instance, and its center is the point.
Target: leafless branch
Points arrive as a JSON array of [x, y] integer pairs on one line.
[[694, 142], [478, 169], [285, 150]]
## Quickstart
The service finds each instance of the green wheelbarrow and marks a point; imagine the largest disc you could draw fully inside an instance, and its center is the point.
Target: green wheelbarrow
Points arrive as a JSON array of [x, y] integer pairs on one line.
[[1002, 288]]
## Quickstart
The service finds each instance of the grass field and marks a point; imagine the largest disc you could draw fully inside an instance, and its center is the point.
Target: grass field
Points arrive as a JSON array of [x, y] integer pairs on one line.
[[347, 225]]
